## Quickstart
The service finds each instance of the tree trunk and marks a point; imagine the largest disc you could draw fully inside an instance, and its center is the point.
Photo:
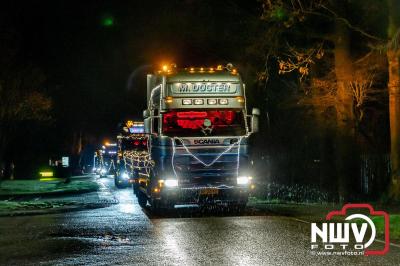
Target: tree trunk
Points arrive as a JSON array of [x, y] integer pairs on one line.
[[393, 56], [344, 108]]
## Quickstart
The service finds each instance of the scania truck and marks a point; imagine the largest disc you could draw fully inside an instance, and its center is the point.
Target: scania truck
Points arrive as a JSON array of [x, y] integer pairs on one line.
[[198, 128]]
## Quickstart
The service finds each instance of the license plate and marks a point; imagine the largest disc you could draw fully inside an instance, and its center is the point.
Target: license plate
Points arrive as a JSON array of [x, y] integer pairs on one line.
[[209, 191]]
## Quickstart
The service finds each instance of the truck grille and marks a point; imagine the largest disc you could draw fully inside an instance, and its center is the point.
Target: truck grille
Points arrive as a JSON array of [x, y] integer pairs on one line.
[[191, 171]]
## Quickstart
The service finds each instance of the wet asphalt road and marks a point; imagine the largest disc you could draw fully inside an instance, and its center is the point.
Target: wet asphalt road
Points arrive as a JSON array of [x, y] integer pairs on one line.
[[124, 234]]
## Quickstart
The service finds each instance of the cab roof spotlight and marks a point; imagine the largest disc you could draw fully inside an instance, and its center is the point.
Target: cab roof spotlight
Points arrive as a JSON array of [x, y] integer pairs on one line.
[[187, 101], [223, 101], [211, 101], [198, 101]]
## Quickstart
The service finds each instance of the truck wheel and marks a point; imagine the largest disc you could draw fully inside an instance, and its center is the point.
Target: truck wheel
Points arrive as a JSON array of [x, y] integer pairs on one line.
[[142, 199], [117, 184]]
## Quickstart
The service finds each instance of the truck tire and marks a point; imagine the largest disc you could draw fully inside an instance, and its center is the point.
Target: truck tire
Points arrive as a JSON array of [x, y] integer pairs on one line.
[[142, 199], [117, 184]]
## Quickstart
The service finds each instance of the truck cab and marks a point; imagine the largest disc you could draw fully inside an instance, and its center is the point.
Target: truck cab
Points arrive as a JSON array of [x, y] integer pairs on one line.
[[198, 129], [132, 154]]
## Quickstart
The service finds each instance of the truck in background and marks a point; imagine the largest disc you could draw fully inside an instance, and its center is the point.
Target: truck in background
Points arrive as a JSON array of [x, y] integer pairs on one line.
[[133, 156], [105, 159]]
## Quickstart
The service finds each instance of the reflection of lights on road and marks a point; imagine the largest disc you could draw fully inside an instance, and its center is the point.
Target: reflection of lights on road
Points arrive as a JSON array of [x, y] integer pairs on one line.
[[173, 241], [125, 202], [126, 208]]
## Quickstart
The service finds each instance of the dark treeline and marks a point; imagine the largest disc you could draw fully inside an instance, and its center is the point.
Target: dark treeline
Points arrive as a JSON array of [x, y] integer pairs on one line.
[[323, 73]]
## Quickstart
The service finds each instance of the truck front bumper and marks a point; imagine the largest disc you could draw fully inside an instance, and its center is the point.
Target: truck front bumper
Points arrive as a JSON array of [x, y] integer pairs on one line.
[[218, 195]]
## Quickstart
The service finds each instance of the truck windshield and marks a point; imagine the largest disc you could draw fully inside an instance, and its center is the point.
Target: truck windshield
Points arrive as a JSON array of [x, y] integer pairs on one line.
[[204, 123]]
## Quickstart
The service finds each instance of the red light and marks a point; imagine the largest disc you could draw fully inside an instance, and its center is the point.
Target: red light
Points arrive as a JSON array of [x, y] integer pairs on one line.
[[193, 124], [191, 115], [144, 142], [136, 143], [195, 119]]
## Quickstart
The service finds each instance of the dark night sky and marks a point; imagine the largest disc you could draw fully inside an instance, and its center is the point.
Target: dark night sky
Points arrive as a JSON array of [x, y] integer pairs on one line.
[[96, 73], [88, 64]]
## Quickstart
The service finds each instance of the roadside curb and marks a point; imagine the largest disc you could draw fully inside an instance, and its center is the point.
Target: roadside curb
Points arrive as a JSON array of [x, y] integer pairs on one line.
[[79, 207], [48, 194]]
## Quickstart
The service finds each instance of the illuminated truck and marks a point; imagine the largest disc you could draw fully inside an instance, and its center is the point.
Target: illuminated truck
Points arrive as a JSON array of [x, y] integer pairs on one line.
[[198, 129], [133, 158], [105, 159]]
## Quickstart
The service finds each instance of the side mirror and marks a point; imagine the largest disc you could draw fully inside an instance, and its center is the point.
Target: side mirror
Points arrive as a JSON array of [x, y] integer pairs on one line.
[[255, 111], [146, 113], [254, 120], [147, 125]]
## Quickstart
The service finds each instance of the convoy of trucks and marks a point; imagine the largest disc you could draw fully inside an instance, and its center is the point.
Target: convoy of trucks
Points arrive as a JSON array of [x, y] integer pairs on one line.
[[192, 149]]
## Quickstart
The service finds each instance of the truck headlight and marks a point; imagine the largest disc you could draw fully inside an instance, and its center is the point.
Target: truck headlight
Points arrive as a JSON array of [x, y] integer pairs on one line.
[[124, 175], [171, 182], [243, 180]]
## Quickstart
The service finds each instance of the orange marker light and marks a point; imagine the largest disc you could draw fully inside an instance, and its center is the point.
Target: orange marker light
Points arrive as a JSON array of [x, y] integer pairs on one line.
[[240, 99], [169, 99]]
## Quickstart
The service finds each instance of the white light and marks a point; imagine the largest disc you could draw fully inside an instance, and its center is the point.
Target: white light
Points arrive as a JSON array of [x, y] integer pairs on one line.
[[103, 171], [171, 183], [223, 101], [125, 175], [243, 180], [111, 144], [212, 101], [187, 101], [198, 101]]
